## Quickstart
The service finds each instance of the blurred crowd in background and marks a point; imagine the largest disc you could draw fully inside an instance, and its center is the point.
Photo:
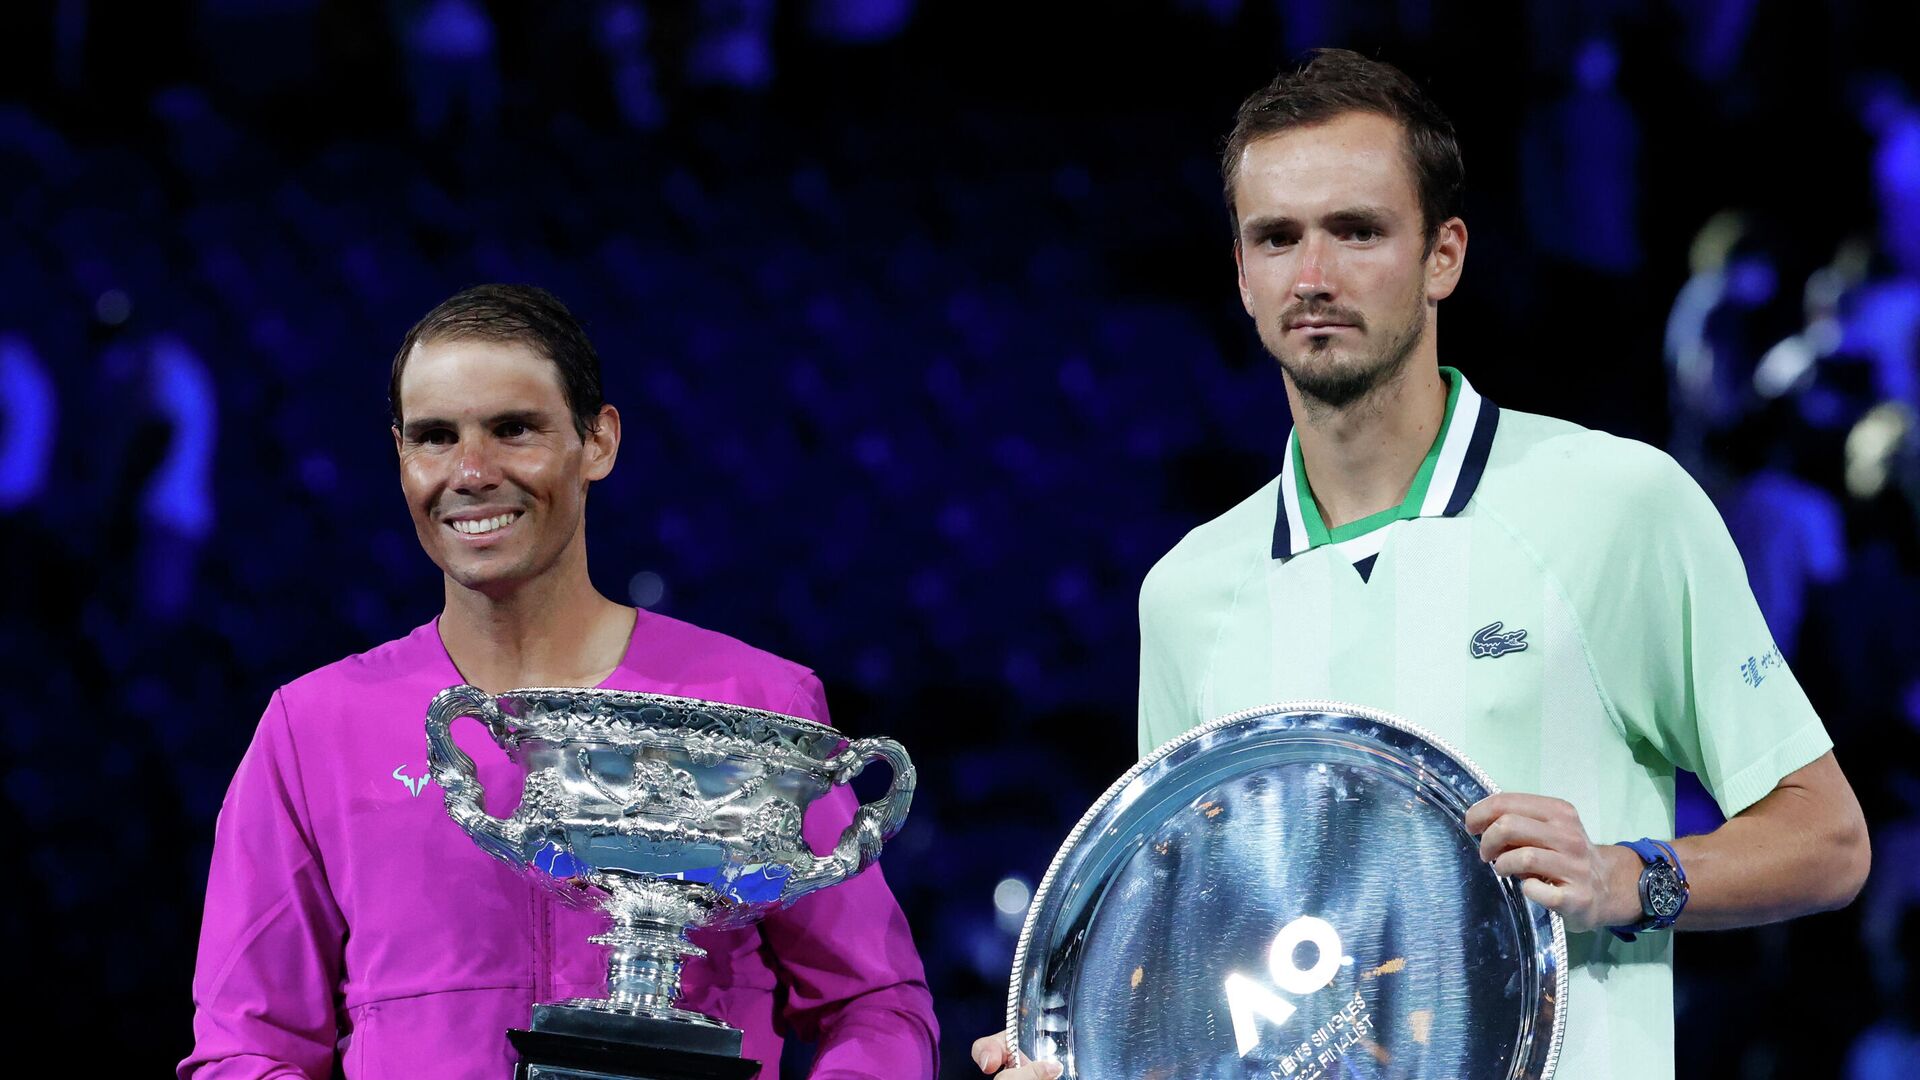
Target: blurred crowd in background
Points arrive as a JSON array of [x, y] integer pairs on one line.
[[921, 318]]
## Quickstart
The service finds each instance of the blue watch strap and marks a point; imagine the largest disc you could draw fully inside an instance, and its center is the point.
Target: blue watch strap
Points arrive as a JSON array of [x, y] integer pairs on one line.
[[1652, 851], [1649, 850], [1673, 857]]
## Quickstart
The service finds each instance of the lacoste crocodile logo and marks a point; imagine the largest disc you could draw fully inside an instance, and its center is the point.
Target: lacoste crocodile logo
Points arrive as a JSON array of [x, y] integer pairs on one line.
[[414, 784], [1489, 641]]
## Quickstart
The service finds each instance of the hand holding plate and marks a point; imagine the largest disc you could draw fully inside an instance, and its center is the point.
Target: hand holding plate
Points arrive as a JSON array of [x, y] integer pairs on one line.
[[1541, 842], [994, 1059]]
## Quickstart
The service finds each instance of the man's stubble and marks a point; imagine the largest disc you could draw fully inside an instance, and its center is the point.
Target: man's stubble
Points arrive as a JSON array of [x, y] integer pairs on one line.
[[1334, 385]]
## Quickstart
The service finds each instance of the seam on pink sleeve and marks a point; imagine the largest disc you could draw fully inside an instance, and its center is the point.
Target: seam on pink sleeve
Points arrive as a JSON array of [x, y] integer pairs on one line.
[[799, 704], [299, 780], [243, 941]]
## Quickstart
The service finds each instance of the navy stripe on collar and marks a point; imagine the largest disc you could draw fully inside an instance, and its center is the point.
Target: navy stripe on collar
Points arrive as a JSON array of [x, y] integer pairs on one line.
[[1459, 485], [1475, 464]]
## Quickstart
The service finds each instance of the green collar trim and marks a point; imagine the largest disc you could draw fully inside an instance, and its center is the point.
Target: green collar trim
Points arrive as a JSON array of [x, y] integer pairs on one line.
[[1410, 507]]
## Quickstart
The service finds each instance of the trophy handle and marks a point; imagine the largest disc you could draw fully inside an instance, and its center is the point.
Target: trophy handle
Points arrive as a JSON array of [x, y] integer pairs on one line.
[[454, 771], [873, 824]]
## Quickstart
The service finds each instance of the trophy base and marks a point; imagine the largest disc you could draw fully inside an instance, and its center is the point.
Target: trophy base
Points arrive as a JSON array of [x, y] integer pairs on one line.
[[567, 1043]]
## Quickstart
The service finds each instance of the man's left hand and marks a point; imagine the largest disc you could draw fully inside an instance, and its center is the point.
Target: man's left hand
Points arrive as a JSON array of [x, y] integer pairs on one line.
[[1541, 842]]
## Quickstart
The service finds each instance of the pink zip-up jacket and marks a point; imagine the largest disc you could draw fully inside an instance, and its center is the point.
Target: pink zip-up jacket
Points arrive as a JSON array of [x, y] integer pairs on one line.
[[348, 918]]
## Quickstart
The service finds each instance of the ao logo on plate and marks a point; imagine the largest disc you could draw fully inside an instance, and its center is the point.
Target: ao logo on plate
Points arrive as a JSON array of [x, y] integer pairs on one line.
[[1247, 999]]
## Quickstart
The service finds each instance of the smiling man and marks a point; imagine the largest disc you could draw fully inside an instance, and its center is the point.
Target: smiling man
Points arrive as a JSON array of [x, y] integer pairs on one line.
[[1564, 606], [350, 925]]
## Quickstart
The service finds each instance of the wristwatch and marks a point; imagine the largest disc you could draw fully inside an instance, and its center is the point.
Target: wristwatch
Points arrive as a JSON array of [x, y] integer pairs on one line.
[[1663, 887]]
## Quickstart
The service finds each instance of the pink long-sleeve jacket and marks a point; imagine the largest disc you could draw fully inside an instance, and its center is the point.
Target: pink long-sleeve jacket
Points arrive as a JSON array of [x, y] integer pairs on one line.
[[348, 918]]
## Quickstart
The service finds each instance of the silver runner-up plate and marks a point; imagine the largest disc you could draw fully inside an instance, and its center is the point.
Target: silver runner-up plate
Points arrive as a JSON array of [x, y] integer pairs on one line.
[[1288, 893]]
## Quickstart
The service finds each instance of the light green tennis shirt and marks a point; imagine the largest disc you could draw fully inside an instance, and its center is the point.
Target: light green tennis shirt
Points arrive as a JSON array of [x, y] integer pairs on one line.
[[1562, 606]]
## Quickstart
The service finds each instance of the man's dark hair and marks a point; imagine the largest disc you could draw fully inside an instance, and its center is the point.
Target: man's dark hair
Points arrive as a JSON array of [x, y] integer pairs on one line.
[[525, 314], [1337, 81]]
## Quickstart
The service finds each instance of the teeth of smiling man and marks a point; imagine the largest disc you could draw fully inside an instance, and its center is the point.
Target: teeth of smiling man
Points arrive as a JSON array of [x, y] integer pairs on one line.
[[484, 525]]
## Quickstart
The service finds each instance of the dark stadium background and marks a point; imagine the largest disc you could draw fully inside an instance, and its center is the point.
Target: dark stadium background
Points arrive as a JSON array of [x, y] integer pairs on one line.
[[921, 317]]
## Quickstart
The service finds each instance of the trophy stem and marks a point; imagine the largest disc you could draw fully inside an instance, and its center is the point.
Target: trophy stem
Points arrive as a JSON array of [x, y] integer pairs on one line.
[[649, 946], [643, 971]]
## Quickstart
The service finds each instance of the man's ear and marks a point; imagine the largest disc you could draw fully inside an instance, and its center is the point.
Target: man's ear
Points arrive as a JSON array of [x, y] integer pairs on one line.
[[1447, 259], [396, 440], [602, 443]]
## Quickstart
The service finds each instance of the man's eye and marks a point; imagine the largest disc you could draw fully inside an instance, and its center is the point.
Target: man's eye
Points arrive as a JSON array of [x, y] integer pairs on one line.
[[437, 437], [1364, 235], [511, 430]]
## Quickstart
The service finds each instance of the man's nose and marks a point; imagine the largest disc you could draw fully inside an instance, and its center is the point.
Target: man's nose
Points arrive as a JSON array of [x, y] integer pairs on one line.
[[476, 470], [1312, 281]]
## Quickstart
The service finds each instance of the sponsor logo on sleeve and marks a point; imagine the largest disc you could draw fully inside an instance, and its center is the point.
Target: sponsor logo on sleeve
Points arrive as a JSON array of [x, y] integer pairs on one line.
[[1756, 668]]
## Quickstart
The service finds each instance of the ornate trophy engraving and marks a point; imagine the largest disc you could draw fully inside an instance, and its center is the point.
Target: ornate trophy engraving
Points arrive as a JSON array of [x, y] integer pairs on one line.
[[673, 814], [1288, 893]]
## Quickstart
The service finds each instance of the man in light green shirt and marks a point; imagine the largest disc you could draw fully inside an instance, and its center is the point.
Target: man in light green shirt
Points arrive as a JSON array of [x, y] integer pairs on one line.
[[1563, 606]]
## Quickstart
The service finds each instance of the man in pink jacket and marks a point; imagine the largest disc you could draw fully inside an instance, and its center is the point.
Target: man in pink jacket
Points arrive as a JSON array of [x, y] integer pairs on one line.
[[350, 923]]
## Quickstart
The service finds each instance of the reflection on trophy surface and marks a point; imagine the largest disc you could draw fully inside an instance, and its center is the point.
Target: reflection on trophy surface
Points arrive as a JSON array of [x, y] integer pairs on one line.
[[673, 814]]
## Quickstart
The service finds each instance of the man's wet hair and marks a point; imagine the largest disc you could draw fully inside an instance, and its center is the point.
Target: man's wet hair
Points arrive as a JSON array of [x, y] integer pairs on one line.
[[1334, 82], [523, 314]]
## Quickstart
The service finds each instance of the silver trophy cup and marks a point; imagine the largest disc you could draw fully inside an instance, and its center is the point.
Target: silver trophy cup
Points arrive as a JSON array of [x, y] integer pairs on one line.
[[673, 814]]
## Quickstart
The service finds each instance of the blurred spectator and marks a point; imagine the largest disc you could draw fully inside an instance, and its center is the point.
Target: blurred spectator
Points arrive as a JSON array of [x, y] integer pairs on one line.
[[1789, 531], [1889, 1049], [451, 68], [861, 22], [1884, 325], [622, 34], [1890, 115], [28, 423], [1791, 366], [176, 509], [1717, 32], [1580, 169], [1711, 336], [733, 45]]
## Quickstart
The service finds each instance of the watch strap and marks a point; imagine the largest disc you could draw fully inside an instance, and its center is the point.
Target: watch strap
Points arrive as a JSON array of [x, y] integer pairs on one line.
[[1653, 851]]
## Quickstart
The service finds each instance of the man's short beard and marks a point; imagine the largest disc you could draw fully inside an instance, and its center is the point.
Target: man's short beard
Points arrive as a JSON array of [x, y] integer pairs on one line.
[[1334, 387]]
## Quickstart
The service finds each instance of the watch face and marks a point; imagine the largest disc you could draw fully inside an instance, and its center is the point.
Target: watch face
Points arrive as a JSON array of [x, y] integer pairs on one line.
[[1664, 893]]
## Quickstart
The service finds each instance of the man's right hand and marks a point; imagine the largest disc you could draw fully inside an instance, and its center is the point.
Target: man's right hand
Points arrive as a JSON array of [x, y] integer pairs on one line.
[[992, 1056]]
